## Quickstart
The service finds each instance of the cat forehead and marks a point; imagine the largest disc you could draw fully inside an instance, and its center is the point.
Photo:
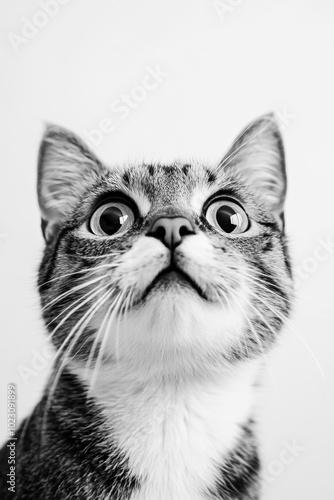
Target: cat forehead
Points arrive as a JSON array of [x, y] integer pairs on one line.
[[178, 185], [167, 183]]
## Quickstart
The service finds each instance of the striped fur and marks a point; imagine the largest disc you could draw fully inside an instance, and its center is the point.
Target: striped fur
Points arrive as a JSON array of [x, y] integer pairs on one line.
[[153, 390]]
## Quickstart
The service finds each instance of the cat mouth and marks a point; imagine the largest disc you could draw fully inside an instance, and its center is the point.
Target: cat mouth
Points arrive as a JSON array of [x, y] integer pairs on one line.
[[173, 274]]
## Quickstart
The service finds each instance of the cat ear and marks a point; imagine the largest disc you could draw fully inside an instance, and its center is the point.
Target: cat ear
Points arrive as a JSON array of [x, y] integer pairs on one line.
[[66, 168], [257, 157]]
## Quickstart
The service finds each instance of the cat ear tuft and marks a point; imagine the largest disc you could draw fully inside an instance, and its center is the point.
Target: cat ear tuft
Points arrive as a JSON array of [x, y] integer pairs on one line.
[[66, 167], [257, 157]]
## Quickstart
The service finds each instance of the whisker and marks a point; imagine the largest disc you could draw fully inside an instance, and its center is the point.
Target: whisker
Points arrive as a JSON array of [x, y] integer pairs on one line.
[[81, 271], [104, 256], [73, 303], [73, 333], [124, 308], [78, 307], [97, 338], [231, 309], [62, 276], [112, 314], [287, 322], [71, 291]]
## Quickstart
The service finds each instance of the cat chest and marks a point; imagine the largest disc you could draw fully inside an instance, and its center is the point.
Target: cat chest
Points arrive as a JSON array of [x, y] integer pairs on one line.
[[179, 456], [176, 441]]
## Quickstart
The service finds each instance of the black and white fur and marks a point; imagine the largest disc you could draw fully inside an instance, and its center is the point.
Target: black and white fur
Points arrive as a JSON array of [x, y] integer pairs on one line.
[[153, 391]]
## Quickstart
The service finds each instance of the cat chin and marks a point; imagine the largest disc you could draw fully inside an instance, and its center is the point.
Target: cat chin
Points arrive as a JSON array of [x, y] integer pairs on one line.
[[171, 282], [174, 330]]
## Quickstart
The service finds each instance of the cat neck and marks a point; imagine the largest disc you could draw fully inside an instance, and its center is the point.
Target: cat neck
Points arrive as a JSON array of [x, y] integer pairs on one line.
[[177, 434]]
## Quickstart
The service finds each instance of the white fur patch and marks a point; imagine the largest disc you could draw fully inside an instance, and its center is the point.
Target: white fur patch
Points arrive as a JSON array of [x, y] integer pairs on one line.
[[175, 434]]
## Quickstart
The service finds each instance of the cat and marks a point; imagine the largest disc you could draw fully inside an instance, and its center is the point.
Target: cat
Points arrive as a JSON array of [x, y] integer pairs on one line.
[[162, 288]]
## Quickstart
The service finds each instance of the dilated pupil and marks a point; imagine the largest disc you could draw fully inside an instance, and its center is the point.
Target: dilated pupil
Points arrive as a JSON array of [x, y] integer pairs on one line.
[[224, 218], [111, 220]]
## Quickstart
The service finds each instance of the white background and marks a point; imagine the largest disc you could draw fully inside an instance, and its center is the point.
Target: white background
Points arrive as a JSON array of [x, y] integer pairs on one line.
[[223, 71]]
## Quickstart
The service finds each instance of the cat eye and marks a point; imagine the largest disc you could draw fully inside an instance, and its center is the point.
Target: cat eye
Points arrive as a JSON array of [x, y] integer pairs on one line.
[[111, 219], [227, 216]]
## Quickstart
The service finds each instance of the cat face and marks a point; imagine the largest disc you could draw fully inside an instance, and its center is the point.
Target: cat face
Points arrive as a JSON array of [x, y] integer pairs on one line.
[[164, 268]]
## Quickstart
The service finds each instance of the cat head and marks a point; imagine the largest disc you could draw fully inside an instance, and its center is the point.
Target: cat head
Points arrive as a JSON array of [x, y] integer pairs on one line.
[[164, 268]]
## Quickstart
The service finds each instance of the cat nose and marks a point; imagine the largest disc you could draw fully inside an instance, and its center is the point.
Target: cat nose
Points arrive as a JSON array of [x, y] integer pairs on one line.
[[171, 230]]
